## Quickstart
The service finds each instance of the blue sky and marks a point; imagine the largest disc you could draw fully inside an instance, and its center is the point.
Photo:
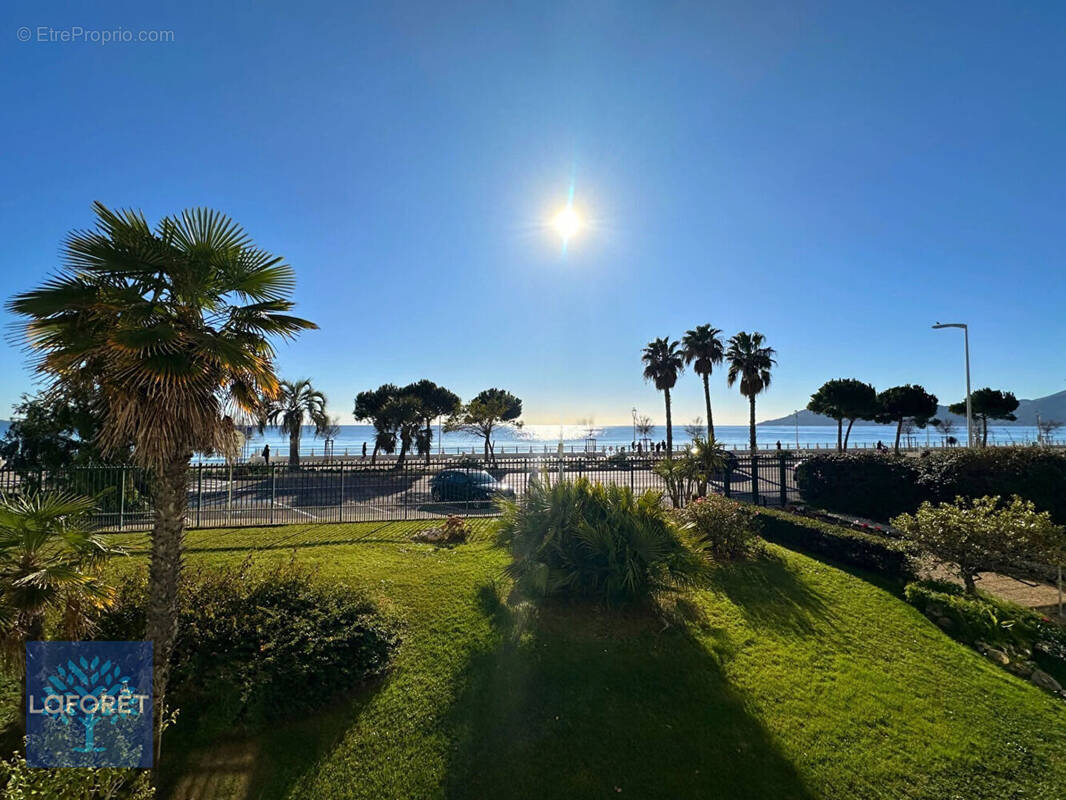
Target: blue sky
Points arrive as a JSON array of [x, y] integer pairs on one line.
[[837, 176]]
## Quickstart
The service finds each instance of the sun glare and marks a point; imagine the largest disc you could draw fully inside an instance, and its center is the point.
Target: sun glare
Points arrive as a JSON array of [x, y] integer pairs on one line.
[[567, 222]]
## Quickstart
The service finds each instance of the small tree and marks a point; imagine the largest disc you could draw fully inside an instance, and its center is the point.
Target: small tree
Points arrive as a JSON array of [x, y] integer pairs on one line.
[[645, 430], [1045, 430], [909, 402], [981, 535], [491, 410], [295, 403], [986, 404], [844, 399], [373, 406]]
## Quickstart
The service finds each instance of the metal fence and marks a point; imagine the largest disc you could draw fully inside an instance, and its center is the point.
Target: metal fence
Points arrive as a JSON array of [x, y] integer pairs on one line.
[[243, 495]]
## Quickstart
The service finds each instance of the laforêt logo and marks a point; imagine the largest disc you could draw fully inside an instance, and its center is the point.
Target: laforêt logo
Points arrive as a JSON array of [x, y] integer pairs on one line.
[[89, 704]]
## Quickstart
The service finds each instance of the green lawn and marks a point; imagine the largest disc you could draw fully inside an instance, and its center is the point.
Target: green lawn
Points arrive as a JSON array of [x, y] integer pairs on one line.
[[802, 681]]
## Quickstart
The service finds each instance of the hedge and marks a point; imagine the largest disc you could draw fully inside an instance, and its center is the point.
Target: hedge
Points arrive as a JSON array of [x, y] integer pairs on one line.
[[881, 486], [875, 553]]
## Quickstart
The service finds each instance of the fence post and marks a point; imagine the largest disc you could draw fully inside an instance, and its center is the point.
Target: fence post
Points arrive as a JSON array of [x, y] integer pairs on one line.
[[727, 475], [122, 501], [229, 497], [781, 473], [273, 491], [199, 491], [405, 482], [340, 500], [754, 478]]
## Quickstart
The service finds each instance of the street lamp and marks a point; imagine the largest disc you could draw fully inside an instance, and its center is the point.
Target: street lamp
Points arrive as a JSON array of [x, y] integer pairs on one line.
[[966, 344]]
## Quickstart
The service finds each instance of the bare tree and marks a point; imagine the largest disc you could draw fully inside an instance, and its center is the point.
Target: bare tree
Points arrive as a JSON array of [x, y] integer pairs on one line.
[[1045, 430]]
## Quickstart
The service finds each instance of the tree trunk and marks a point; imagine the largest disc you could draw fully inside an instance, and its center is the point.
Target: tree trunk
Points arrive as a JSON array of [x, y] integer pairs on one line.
[[751, 423], [984, 431], [164, 572], [429, 439], [840, 435], [294, 449], [669, 426], [971, 587], [707, 398], [846, 435], [899, 430]]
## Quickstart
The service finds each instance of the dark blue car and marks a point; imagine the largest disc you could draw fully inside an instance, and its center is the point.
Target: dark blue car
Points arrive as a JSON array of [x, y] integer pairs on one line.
[[467, 486]]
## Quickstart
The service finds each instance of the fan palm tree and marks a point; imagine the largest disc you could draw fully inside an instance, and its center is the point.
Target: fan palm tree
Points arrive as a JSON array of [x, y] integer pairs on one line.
[[702, 348], [750, 362], [297, 402], [48, 562], [663, 362], [170, 327]]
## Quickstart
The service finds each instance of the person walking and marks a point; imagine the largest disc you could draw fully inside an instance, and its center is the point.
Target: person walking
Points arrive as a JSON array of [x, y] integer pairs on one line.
[[364, 450], [266, 454]]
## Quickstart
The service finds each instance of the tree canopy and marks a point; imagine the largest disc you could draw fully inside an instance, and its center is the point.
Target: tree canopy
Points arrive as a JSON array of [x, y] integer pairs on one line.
[[986, 404], [485, 414], [908, 402], [845, 399]]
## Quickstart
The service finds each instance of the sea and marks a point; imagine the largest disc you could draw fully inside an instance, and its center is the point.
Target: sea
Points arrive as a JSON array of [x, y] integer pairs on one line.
[[578, 438]]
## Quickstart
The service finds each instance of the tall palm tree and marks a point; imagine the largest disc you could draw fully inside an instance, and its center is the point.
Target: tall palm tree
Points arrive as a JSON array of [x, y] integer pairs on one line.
[[48, 562], [702, 348], [297, 402], [170, 328], [750, 362], [663, 362]]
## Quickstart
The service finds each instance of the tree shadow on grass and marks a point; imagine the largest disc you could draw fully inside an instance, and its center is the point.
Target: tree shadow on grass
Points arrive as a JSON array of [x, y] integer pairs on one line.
[[770, 593], [263, 765], [577, 702]]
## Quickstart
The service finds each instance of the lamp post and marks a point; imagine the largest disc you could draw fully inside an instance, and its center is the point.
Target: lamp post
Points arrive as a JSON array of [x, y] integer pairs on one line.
[[966, 345]]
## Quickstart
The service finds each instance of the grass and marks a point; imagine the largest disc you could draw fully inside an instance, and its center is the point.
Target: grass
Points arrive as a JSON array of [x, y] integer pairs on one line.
[[801, 681]]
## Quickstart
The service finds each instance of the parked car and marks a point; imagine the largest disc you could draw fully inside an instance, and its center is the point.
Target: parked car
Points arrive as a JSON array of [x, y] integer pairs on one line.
[[467, 486]]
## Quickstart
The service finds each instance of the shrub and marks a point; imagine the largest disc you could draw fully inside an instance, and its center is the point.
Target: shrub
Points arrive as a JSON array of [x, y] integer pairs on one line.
[[875, 553], [866, 484], [984, 535], [979, 619], [723, 527], [878, 486], [20, 782], [601, 542], [256, 647]]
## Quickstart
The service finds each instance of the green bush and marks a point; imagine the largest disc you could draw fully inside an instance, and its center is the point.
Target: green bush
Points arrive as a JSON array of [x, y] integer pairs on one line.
[[724, 528], [866, 484], [984, 535], [875, 553], [254, 647], [879, 486], [980, 618], [581, 539], [20, 782]]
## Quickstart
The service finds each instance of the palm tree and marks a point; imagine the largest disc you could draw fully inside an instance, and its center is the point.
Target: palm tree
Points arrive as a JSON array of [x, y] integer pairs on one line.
[[48, 562], [702, 348], [750, 363], [663, 362], [296, 402], [169, 327]]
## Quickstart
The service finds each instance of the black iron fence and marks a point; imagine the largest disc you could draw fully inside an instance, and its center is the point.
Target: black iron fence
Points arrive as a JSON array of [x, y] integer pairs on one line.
[[242, 495]]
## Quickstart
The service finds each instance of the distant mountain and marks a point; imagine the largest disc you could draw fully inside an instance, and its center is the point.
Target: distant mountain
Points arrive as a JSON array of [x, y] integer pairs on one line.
[[1051, 407]]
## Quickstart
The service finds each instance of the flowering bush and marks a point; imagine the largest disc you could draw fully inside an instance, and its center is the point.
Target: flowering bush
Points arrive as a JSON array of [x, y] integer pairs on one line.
[[724, 528]]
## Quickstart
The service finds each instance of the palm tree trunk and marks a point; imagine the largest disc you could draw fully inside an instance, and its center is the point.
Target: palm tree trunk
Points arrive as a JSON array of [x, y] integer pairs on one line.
[[669, 426], [429, 439], [294, 449], [164, 572], [707, 398], [984, 431], [751, 423], [840, 435], [899, 430], [846, 435]]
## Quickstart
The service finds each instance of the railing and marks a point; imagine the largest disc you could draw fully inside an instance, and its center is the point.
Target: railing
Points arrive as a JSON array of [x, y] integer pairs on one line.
[[243, 495]]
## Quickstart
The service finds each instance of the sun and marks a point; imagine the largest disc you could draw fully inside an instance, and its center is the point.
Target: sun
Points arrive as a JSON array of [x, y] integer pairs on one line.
[[567, 222]]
